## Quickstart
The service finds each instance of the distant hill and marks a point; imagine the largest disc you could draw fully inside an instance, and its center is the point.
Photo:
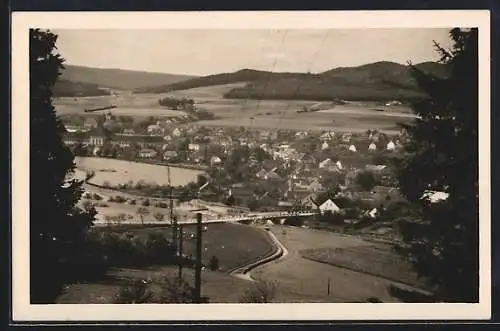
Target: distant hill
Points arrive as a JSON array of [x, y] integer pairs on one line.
[[375, 81], [118, 78]]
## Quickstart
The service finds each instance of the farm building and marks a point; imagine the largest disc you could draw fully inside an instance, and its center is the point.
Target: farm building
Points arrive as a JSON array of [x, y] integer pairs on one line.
[[339, 165], [372, 147], [329, 206], [352, 148], [324, 146]]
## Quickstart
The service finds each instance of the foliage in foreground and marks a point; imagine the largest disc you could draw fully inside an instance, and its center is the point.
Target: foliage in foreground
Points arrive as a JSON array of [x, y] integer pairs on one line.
[[57, 225], [441, 239], [259, 292], [160, 291]]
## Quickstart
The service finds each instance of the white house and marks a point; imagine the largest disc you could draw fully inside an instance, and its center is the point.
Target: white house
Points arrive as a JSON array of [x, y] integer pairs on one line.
[[324, 146], [325, 163], [177, 132], [327, 136], [435, 196], [339, 165], [167, 138], [391, 146], [215, 160], [352, 148], [194, 147], [154, 129], [330, 206], [372, 147]]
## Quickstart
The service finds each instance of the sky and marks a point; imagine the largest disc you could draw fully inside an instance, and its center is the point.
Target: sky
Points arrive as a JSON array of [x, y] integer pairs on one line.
[[204, 52]]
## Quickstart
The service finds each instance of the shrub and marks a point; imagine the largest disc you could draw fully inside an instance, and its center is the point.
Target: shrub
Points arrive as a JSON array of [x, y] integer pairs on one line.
[[146, 203], [134, 293], [214, 263], [120, 199], [132, 202], [97, 196], [261, 292]]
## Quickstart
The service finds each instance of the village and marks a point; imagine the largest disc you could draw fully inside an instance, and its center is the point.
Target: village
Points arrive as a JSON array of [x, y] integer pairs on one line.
[[346, 174]]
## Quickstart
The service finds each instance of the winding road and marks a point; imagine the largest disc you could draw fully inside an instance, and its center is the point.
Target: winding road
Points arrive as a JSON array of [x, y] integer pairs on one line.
[[243, 272]]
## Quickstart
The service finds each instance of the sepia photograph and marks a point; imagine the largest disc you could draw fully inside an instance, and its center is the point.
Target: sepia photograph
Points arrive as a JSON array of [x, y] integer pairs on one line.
[[306, 164]]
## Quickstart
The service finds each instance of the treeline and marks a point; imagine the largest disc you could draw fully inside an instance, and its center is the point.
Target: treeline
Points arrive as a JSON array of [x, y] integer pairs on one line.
[[321, 89], [66, 88], [173, 103]]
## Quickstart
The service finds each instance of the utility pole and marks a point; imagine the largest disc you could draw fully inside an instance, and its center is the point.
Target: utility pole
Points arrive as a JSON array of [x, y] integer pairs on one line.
[[171, 208], [181, 238], [199, 231]]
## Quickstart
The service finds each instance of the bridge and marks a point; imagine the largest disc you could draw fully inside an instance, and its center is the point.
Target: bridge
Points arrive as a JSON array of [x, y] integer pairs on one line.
[[230, 219]]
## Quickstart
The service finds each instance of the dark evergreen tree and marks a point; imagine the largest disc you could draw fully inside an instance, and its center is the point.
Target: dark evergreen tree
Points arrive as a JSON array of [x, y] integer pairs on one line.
[[441, 154], [57, 225]]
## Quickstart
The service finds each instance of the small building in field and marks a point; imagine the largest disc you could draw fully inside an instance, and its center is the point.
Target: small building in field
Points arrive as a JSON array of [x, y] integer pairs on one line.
[[352, 148], [372, 147], [391, 146]]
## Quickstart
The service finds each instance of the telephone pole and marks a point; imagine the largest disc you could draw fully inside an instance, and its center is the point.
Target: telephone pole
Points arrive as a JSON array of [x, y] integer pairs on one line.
[[171, 209], [199, 231], [181, 239]]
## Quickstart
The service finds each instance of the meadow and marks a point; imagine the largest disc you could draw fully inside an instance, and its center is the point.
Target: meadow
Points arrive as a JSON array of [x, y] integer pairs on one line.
[[257, 114], [300, 279], [117, 172]]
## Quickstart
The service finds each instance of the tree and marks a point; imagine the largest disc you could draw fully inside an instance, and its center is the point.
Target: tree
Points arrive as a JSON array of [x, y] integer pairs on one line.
[[214, 263], [57, 225], [366, 180], [441, 154], [142, 211]]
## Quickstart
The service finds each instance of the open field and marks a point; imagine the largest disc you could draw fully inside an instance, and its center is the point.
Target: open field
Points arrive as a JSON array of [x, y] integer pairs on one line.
[[258, 114], [233, 244], [282, 114], [120, 172], [376, 260], [128, 104], [302, 279]]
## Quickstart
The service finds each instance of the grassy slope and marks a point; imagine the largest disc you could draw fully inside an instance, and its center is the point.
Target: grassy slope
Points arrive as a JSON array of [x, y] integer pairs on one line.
[[233, 244], [118, 78]]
